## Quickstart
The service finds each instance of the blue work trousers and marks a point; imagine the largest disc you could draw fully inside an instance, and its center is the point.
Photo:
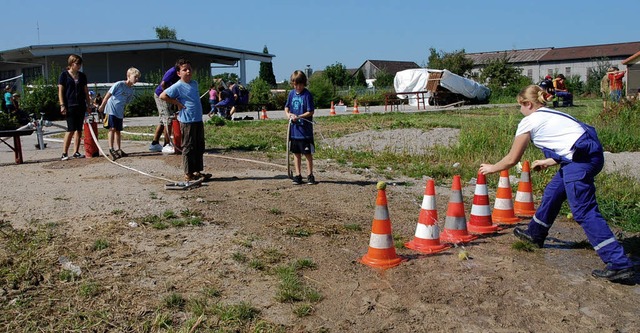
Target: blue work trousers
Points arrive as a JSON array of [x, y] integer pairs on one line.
[[575, 182]]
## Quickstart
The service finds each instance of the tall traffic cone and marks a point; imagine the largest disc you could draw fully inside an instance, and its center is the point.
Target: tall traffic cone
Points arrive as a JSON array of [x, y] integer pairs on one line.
[[523, 205], [480, 217], [355, 106], [263, 116], [381, 252], [333, 110], [427, 236], [503, 207], [455, 224]]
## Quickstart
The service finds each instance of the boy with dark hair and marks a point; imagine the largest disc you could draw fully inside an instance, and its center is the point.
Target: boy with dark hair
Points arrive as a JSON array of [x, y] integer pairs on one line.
[[299, 110], [184, 94]]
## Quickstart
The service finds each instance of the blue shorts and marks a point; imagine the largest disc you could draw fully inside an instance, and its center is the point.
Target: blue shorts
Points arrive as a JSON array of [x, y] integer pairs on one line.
[[302, 146], [113, 122]]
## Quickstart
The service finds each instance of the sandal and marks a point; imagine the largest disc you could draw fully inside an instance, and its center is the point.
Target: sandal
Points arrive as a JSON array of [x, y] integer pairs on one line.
[[202, 175]]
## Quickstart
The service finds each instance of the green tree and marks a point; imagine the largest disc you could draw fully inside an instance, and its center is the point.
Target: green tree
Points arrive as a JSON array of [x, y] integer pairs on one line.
[[266, 71], [383, 80], [164, 32], [455, 62], [227, 77], [595, 74], [499, 72], [360, 80], [337, 75], [260, 93], [322, 89]]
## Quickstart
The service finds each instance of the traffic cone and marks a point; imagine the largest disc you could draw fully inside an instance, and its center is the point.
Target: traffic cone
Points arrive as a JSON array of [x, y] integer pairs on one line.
[[480, 217], [503, 207], [382, 253], [333, 110], [355, 107], [455, 224], [263, 116], [523, 205], [427, 236]]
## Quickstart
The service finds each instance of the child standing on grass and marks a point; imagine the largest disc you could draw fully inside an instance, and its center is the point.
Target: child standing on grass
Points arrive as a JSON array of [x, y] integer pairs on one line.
[[184, 94], [299, 110], [113, 105], [576, 148]]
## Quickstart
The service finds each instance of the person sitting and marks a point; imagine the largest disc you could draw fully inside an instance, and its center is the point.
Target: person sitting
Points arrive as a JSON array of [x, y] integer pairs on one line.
[[562, 91], [547, 86]]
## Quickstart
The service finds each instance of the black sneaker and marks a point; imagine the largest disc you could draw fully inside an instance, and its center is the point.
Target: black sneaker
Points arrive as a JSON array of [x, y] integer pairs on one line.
[[311, 180], [77, 155], [523, 235], [114, 154], [297, 180], [64, 157], [614, 274]]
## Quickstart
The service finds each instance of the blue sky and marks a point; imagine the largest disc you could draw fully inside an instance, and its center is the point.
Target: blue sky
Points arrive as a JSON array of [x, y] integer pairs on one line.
[[322, 33]]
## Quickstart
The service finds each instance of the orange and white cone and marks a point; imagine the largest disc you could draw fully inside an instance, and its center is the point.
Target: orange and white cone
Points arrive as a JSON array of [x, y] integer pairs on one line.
[[427, 236], [503, 207], [263, 116], [480, 218], [333, 110], [523, 205], [382, 253], [355, 107], [455, 224]]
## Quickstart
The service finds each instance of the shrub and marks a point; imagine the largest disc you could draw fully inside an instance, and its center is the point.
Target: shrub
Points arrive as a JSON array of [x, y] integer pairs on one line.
[[143, 104], [322, 91], [41, 97]]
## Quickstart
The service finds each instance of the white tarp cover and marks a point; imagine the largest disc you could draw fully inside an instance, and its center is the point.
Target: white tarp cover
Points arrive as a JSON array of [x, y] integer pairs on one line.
[[412, 80]]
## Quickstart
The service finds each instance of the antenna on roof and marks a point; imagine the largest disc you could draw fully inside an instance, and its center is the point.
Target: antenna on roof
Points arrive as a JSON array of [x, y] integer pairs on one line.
[[38, 29]]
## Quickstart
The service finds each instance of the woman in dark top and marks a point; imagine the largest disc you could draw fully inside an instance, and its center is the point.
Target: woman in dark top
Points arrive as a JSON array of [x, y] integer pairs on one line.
[[73, 95]]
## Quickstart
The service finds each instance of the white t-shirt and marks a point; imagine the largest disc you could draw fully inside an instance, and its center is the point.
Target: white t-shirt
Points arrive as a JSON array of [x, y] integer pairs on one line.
[[551, 131]]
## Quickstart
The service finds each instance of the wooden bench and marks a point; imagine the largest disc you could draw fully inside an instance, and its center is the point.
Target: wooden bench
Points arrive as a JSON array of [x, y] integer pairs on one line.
[[17, 145]]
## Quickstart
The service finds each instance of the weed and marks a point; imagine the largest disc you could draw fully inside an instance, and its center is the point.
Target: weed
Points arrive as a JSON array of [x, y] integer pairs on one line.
[[353, 227], [190, 213], [177, 223], [256, 264], [211, 292], [304, 263], [89, 289], [159, 225], [239, 257], [240, 313], [162, 321], [174, 301], [169, 214], [398, 241], [303, 310], [523, 246], [298, 232], [275, 211], [100, 244], [117, 212], [195, 221], [153, 195], [68, 276], [272, 256]]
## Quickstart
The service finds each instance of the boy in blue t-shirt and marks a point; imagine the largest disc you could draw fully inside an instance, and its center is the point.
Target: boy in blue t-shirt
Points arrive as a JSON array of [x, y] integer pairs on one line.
[[184, 94], [113, 105], [299, 110]]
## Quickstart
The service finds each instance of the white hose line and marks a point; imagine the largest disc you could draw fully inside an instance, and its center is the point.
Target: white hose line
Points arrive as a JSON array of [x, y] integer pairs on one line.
[[95, 139]]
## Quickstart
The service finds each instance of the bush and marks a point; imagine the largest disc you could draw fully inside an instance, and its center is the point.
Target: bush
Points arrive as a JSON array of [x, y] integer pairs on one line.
[[41, 97], [7, 122], [322, 91], [142, 105]]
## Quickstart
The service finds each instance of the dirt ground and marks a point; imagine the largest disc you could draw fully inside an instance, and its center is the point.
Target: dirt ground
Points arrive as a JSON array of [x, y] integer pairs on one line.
[[251, 210]]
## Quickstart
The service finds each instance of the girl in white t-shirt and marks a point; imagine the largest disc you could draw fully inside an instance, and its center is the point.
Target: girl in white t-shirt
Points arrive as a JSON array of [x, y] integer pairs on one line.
[[576, 148]]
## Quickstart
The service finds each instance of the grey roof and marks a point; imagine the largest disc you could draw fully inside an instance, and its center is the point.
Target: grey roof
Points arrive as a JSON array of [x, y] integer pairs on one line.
[[514, 56], [219, 54]]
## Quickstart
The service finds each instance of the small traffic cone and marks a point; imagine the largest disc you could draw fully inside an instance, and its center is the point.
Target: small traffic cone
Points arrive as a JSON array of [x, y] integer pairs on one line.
[[480, 217], [427, 236], [382, 253], [455, 224], [355, 107], [523, 205], [503, 207], [263, 116], [333, 110]]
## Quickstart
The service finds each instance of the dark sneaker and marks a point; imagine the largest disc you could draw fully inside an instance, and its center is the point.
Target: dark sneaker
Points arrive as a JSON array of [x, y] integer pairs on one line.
[[77, 155], [614, 274], [64, 157], [311, 180], [523, 235], [121, 153], [114, 154], [297, 180]]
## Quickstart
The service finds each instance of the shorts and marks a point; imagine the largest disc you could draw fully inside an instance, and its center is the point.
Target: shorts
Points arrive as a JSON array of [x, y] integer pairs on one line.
[[302, 146], [164, 111], [113, 122], [75, 118]]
